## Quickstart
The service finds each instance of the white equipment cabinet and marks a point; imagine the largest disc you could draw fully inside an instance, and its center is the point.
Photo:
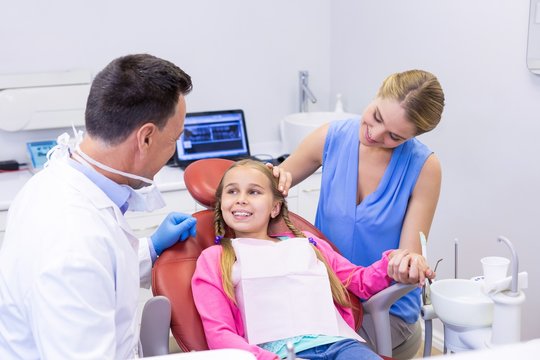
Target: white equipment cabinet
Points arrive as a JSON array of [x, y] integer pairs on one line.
[[304, 197]]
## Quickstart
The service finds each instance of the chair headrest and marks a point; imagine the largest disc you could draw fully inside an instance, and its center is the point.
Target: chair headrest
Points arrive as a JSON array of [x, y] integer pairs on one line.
[[202, 178]]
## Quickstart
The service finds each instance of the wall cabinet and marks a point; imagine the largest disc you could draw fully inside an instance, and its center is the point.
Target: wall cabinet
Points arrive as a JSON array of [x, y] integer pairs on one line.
[[308, 197], [304, 197]]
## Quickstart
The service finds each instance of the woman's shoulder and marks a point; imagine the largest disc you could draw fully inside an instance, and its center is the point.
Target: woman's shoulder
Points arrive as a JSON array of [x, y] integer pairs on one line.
[[418, 148], [429, 161], [343, 126], [431, 169]]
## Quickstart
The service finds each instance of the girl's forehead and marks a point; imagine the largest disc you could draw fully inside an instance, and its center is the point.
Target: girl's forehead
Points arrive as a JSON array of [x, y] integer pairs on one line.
[[244, 175]]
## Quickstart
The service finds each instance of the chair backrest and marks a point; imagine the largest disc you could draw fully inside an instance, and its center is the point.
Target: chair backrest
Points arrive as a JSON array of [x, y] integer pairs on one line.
[[173, 270]]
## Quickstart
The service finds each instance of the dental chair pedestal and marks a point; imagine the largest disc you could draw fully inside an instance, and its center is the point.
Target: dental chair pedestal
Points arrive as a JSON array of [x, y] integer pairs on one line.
[[459, 338]]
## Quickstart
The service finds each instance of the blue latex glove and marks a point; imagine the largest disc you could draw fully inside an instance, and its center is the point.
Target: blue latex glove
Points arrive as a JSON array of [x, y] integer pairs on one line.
[[176, 227]]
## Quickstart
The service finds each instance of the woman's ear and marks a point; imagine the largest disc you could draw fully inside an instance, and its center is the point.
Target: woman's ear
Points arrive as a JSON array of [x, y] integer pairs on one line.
[[275, 209]]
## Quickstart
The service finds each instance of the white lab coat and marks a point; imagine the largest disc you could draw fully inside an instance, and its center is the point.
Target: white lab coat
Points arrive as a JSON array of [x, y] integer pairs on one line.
[[70, 271]]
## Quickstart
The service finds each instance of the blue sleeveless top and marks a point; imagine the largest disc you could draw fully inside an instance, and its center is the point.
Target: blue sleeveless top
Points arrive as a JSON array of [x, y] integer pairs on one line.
[[363, 232]]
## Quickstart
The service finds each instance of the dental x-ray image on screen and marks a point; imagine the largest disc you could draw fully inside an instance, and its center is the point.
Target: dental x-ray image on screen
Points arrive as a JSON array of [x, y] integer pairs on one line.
[[213, 134]]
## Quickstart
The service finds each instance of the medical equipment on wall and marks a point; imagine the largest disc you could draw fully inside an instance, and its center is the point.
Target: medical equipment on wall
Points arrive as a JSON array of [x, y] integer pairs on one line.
[[533, 45], [481, 312], [43, 100]]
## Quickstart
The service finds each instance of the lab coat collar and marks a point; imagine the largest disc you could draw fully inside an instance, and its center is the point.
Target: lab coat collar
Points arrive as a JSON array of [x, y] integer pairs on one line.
[[95, 195], [117, 193]]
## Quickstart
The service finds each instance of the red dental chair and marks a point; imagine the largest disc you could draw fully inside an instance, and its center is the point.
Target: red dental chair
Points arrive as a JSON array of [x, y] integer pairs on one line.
[[173, 270]]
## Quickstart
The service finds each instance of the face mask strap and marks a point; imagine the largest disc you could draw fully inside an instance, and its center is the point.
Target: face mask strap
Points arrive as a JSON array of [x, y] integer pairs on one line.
[[64, 144], [110, 169]]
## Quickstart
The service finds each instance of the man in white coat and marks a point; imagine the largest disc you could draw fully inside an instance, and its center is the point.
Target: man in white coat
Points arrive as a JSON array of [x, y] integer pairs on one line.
[[70, 266]]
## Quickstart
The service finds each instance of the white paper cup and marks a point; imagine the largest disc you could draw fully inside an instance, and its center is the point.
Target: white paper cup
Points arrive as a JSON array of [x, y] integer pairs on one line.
[[495, 268]]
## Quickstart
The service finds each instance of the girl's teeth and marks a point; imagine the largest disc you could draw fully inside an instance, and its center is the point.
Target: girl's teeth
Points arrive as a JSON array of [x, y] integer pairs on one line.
[[237, 213]]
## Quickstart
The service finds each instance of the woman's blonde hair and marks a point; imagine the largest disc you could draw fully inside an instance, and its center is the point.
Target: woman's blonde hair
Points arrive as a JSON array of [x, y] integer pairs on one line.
[[419, 93], [339, 290]]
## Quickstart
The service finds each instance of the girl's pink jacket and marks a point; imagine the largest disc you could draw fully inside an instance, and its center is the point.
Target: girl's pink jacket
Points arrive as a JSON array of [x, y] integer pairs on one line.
[[222, 320]]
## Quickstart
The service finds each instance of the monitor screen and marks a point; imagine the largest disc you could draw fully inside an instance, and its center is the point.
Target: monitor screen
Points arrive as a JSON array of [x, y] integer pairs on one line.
[[213, 134], [37, 150]]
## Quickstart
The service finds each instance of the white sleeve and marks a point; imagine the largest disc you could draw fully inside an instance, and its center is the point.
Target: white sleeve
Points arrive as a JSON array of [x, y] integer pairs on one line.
[[71, 307], [145, 263]]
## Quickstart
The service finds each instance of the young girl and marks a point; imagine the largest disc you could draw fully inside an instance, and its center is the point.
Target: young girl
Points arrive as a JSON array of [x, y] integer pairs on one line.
[[295, 291]]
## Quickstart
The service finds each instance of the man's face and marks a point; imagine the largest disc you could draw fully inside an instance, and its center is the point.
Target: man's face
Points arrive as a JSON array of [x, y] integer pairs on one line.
[[164, 143]]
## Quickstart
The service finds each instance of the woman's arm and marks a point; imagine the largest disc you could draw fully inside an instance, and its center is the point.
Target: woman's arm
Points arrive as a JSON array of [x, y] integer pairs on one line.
[[217, 312], [422, 205], [304, 161], [365, 282]]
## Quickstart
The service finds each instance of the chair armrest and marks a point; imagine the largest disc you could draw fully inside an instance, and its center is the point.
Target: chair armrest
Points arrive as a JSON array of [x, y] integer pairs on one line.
[[155, 325], [377, 306]]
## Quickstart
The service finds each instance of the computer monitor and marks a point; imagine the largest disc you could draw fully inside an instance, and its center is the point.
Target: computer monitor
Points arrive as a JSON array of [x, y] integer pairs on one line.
[[37, 152], [213, 134]]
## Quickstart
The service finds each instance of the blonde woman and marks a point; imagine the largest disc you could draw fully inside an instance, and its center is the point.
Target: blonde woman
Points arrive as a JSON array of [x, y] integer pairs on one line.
[[380, 184], [247, 200]]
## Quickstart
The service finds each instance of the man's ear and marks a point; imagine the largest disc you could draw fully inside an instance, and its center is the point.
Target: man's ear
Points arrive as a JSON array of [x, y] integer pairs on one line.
[[275, 209], [145, 136]]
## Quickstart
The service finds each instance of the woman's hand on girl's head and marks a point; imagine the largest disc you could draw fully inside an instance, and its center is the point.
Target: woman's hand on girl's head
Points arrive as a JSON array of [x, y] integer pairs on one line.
[[409, 268], [284, 177]]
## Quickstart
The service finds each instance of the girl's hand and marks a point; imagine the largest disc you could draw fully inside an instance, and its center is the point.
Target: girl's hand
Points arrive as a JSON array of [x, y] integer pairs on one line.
[[284, 177], [409, 268]]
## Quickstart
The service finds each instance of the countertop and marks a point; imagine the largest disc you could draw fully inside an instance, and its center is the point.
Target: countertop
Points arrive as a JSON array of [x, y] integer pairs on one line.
[[167, 179]]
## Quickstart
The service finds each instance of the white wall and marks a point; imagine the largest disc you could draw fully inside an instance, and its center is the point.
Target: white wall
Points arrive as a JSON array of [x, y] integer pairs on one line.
[[240, 53], [488, 138]]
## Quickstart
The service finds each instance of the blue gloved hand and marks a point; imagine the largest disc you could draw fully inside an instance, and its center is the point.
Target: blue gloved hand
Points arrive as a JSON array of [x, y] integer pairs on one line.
[[176, 227]]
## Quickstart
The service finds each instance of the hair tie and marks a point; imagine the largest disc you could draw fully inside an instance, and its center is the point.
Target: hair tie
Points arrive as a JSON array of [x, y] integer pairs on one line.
[[312, 241], [217, 239]]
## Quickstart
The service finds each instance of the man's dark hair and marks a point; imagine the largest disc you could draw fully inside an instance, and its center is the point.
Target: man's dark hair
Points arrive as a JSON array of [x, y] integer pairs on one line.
[[131, 91]]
